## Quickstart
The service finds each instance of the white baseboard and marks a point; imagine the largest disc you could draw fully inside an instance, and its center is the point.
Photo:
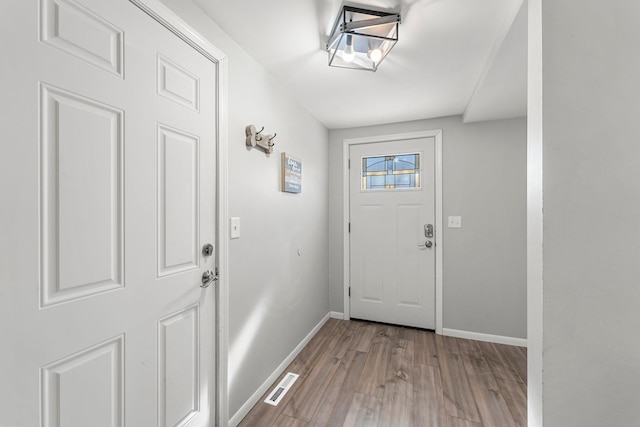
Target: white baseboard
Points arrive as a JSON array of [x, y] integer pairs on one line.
[[255, 397], [519, 342], [336, 315]]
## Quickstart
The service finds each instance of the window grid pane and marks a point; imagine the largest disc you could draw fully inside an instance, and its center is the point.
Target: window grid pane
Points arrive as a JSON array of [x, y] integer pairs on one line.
[[401, 171]]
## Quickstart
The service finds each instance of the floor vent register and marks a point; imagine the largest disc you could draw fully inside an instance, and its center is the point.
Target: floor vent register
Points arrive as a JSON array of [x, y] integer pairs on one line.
[[281, 389]]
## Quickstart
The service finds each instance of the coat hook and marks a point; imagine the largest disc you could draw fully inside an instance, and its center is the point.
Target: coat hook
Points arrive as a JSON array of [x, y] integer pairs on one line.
[[256, 139]]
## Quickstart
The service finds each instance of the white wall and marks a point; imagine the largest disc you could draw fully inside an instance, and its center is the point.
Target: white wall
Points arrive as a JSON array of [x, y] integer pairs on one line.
[[591, 138], [484, 181], [276, 296]]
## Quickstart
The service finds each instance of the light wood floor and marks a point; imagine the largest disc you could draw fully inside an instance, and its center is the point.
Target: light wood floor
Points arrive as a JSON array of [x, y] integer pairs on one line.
[[356, 373]]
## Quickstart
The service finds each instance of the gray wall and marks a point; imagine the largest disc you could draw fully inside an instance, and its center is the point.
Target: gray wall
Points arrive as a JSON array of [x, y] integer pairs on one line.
[[276, 297], [484, 181], [591, 140]]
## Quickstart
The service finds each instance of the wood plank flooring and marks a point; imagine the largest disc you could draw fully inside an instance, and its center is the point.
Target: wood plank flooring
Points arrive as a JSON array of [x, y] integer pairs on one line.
[[355, 373]]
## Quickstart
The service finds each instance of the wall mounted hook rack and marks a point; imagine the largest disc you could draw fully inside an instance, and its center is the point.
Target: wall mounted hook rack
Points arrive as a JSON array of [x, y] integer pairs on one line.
[[257, 139]]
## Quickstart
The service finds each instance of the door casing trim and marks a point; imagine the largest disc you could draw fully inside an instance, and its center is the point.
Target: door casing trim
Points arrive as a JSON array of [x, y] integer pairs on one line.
[[346, 269], [167, 18]]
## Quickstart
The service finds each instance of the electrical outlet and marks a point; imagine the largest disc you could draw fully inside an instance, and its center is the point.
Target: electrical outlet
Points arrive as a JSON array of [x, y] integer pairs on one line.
[[455, 222]]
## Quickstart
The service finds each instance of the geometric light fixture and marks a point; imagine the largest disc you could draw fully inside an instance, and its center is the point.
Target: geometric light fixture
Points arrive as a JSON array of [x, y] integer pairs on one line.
[[362, 38]]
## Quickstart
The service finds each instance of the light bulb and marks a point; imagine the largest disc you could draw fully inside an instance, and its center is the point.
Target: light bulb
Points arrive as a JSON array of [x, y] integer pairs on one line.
[[375, 55], [349, 54]]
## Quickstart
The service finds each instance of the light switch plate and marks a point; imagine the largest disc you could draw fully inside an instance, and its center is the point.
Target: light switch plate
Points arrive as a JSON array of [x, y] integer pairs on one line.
[[455, 222], [234, 225]]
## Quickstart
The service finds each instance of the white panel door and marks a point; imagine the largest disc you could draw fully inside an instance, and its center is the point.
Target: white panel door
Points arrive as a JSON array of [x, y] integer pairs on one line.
[[392, 238], [108, 194]]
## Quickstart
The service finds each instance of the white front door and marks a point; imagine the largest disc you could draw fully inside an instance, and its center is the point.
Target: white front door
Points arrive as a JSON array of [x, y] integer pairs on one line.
[[392, 237], [108, 188]]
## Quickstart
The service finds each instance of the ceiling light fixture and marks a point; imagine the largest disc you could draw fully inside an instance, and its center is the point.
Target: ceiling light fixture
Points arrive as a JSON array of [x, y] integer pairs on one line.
[[362, 38]]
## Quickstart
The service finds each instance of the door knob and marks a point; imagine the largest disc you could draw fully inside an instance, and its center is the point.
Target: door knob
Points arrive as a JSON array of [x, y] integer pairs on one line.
[[427, 244], [208, 277]]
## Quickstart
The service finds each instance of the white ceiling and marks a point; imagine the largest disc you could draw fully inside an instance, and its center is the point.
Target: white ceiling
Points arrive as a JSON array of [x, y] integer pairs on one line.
[[453, 57]]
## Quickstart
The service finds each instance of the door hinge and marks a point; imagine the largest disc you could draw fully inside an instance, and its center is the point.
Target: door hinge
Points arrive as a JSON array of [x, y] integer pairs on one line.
[[349, 290], [349, 161], [349, 227]]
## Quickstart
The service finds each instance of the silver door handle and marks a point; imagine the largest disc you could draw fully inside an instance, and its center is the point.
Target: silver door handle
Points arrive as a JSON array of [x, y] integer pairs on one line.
[[427, 244], [207, 278]]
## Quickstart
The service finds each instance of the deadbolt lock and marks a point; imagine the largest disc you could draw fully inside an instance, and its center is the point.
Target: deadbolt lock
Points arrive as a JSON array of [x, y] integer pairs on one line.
[[428, 231], [207, 250]]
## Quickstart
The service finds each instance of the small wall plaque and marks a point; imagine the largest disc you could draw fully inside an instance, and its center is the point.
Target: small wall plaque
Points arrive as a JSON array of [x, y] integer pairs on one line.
[[291, 174]]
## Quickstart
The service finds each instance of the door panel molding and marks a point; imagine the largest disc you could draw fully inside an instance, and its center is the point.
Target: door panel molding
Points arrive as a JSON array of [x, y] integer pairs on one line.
[[178, 403], [346, 145], [62, 385], [89, 163], [77, 31], [178, 204]]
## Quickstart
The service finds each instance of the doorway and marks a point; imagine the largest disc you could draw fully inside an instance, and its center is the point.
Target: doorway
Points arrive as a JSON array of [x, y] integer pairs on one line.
[[371, 286]]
